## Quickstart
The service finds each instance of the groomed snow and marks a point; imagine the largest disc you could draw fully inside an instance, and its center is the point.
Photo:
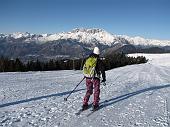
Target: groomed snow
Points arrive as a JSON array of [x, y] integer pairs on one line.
[[135, 95], [156, 59]]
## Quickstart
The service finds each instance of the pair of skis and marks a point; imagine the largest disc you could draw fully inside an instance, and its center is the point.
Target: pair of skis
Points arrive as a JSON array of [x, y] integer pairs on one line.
[[92, 111]]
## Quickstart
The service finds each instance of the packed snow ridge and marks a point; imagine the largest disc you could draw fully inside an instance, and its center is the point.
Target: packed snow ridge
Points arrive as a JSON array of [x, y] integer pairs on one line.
[[88, 36]]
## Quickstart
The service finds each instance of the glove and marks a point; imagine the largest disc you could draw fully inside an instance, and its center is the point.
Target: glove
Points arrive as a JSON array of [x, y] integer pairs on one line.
[[103, 82]]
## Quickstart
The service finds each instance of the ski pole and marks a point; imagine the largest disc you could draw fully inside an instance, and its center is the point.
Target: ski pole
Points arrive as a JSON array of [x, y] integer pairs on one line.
[[65, 99]]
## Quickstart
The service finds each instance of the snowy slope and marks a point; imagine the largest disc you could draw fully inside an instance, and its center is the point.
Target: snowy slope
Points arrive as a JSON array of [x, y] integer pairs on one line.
[[136, 95], [156, 59]]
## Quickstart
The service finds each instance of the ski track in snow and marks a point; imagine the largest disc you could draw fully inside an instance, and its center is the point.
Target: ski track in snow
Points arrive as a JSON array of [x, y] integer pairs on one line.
[[135, 96]]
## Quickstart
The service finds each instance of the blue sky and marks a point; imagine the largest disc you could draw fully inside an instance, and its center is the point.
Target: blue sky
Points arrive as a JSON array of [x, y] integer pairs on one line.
[[146, 18]]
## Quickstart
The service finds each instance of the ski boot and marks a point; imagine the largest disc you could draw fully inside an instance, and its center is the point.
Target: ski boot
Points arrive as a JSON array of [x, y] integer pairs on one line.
[[85, 107], [95, 107]]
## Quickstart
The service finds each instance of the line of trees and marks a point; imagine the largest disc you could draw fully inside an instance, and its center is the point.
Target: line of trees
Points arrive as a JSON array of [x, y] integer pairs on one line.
[[112, 61], [120, 59]]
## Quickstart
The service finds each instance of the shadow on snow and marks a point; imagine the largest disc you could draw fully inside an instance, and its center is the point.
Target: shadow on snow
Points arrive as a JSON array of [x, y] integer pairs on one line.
[[128, 95], [104, 103], [38, 98]]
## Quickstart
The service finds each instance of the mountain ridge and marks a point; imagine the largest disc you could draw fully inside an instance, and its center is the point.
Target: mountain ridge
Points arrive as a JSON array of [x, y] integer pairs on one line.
[[77, 43], [86, 36]]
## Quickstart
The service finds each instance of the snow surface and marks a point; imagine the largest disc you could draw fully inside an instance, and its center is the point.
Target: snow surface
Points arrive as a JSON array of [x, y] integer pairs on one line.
[[156, 59], [135, 96], [20, 35]]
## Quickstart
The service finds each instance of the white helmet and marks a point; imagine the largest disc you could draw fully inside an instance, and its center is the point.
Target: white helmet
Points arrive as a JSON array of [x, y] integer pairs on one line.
[[96, 51]]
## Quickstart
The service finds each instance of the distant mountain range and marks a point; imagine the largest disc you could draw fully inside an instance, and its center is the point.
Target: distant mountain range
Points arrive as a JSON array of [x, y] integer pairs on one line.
[[75, 44]]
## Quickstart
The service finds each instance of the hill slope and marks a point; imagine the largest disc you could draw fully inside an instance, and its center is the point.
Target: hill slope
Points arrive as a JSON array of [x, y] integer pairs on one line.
[[136, 95]]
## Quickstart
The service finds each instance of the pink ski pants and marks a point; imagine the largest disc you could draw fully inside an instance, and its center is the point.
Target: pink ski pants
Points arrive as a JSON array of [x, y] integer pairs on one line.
[[90, 83]]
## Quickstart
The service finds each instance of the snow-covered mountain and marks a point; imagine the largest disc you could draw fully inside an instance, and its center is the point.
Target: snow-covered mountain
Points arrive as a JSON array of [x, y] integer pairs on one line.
[[87, 36], [146, 42], [75, 43], [84, 36]]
